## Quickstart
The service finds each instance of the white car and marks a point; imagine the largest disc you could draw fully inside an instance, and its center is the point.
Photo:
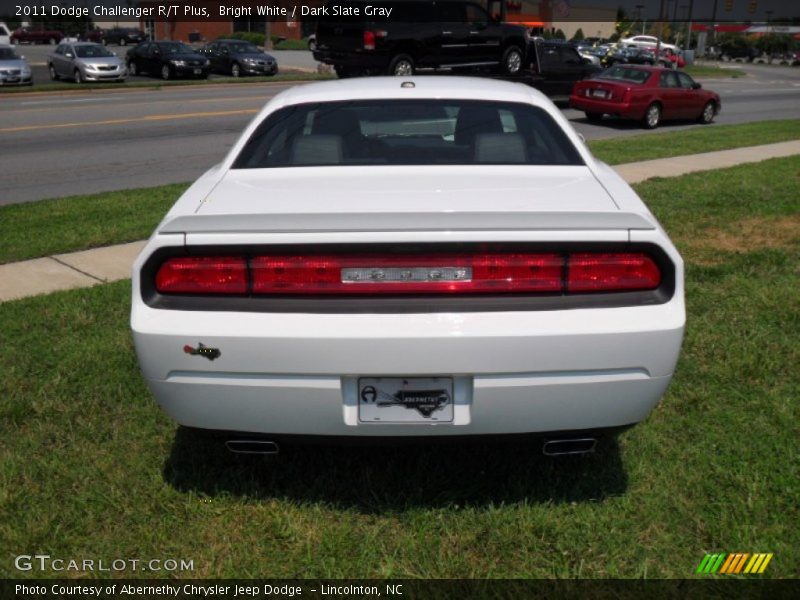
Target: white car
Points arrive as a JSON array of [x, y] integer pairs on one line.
[[409, 257], [648, 41]]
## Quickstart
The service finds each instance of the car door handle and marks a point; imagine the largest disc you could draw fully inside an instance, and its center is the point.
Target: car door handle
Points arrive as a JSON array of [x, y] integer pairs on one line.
[[447, 33], [474, 32]]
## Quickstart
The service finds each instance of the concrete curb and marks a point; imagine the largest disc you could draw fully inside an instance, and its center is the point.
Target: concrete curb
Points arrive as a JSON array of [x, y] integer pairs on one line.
[[111, 263]]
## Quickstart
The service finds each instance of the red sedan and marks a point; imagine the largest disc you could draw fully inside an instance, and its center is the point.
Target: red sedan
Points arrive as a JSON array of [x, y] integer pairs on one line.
[[647, 94]]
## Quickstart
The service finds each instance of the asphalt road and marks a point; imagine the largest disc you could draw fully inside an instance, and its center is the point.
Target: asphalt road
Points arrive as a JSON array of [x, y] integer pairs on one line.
[[62, 145]]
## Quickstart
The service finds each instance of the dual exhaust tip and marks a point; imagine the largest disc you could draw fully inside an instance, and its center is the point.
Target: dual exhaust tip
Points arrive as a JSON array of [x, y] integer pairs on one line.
[[562, 447]]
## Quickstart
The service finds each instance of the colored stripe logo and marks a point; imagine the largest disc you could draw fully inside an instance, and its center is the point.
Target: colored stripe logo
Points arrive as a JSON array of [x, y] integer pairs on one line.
[[734, 564]]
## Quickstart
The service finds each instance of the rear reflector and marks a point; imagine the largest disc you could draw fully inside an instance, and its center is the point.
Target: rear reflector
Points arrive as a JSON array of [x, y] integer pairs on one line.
[[203, 275], [369, 40], [445, 273], [593, 272]]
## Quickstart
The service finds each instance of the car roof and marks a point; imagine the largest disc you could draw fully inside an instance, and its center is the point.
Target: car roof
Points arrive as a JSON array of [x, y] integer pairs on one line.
[[425, 87]]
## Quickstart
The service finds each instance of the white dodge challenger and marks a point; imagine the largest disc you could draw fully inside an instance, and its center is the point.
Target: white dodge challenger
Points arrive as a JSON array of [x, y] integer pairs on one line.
[[389, 257]]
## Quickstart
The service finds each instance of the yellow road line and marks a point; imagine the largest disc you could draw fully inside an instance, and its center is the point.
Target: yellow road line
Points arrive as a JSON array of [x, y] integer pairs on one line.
[[53, 107], [196, 115]]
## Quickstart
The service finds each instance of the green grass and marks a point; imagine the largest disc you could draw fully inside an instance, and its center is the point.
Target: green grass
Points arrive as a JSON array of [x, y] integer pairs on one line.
[[693, 141], [48, 227], [91, 468], [158, 84], [706, 72]]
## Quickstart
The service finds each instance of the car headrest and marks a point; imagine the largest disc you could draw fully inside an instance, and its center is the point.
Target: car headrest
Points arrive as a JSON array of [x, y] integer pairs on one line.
[[503, 148], [317, 150], [473, 120]]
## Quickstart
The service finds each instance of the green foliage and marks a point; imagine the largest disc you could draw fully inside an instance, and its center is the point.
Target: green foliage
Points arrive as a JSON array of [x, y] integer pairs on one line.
[[248, 36], [578, 35], [559, 35]]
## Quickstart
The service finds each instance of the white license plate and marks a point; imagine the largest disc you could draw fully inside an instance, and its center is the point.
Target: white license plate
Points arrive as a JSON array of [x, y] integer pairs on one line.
[[405, 400], [599, 93], [198, 71]]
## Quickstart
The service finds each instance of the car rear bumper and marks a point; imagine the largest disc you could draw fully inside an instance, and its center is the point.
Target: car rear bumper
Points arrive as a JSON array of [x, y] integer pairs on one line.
[[355, 60], [625, 110], [515, 372]]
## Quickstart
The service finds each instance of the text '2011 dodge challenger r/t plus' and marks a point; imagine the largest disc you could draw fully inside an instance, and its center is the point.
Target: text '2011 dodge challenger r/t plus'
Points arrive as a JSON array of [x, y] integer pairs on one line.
[[396, 258]]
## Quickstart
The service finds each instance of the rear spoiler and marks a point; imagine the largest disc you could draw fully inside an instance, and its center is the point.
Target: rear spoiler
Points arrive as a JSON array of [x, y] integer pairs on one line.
[[407, 221]]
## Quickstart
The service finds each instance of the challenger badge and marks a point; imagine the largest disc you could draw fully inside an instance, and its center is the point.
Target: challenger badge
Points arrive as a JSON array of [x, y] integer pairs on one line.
[[202, 350]]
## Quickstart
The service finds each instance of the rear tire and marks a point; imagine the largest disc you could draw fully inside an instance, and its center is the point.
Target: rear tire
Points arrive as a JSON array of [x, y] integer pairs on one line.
[[53, 74], [166, 73], [132, 71], [52, 41], [78, 76], [402, 65], [123, 42], [652, 116], [342, 72], [236, 70], [594, 117], [512, 61], [708, 114]]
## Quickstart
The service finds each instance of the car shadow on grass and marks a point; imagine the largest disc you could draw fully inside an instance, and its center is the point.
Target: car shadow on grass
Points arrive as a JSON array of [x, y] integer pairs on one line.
[[374, 479]]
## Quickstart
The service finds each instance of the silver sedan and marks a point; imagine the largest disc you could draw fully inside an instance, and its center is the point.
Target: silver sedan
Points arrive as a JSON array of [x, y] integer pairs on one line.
[[85, 61]]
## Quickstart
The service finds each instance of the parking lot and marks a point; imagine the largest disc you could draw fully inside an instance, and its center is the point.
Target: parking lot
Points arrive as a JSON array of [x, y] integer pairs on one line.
[[87, 142]]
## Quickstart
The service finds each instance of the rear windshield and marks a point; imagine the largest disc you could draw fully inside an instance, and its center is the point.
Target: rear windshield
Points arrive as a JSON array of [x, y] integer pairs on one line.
[[407, 132], [621, 73]]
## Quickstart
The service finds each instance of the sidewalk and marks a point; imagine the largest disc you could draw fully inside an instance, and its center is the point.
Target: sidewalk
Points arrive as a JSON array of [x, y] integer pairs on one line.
[[111, 263]]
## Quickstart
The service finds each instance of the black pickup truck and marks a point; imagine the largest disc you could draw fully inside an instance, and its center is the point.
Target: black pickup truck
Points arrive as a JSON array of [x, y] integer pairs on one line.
[[555, 66], [418, 34]]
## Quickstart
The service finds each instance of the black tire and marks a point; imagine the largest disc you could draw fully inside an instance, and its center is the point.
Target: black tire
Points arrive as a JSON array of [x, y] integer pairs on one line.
[[512, 61], [123, 42], [104, 42], [132, 70], [236, 70], [709, 112], [593, 117], [402, 65], [78, 76], [652, 116], [52, 41], [53, 74], [166, 73], [342, 72]]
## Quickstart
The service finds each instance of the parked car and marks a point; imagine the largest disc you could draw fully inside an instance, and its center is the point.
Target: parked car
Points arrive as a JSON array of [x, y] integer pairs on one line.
[[415, 38], [124, 36], [351, 270], [632, 56], [29, 35], [647, 41], [167, 60], [96, 35], [13, 69], [5, 34], [647, 94], [84, 62], [236, 57], [555, 66]]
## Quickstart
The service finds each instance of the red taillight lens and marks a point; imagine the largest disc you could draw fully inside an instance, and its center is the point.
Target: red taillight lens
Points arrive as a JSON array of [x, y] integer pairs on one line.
[[369, 40], [385, 274], [595, 272], [366, 275], [203, 275]]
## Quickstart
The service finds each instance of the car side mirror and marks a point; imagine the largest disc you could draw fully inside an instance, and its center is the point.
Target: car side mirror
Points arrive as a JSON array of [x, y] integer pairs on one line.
[[68, 55], [696, 86]]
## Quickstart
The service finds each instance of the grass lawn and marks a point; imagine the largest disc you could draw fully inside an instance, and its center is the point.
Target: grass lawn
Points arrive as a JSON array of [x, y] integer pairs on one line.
[[158, 84], [92, 468], [693, 141]]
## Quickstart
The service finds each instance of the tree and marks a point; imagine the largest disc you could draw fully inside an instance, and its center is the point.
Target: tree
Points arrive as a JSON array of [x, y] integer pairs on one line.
[[578, 35], [559, 35]]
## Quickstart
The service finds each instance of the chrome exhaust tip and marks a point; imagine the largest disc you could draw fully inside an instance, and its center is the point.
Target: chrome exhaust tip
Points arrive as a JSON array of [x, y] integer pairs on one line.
[[252, 447], [570, 446]]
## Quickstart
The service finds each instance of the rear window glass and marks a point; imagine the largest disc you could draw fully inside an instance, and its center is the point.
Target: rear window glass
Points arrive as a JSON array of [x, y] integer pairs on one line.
[[407, 132], [622, 73]]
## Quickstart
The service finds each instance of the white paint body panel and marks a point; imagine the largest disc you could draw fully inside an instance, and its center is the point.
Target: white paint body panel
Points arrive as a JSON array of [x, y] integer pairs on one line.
[[514, 372]]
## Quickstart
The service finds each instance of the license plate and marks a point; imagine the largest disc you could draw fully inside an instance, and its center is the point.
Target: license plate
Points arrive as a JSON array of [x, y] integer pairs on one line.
[[405, 400], [198, 71], [599, 93]]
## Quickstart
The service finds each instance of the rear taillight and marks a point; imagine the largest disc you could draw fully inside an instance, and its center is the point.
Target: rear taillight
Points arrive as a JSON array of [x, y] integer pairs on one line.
[[445, 273], [203, 275], [369, 40], [367, 275], [608, 272]]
